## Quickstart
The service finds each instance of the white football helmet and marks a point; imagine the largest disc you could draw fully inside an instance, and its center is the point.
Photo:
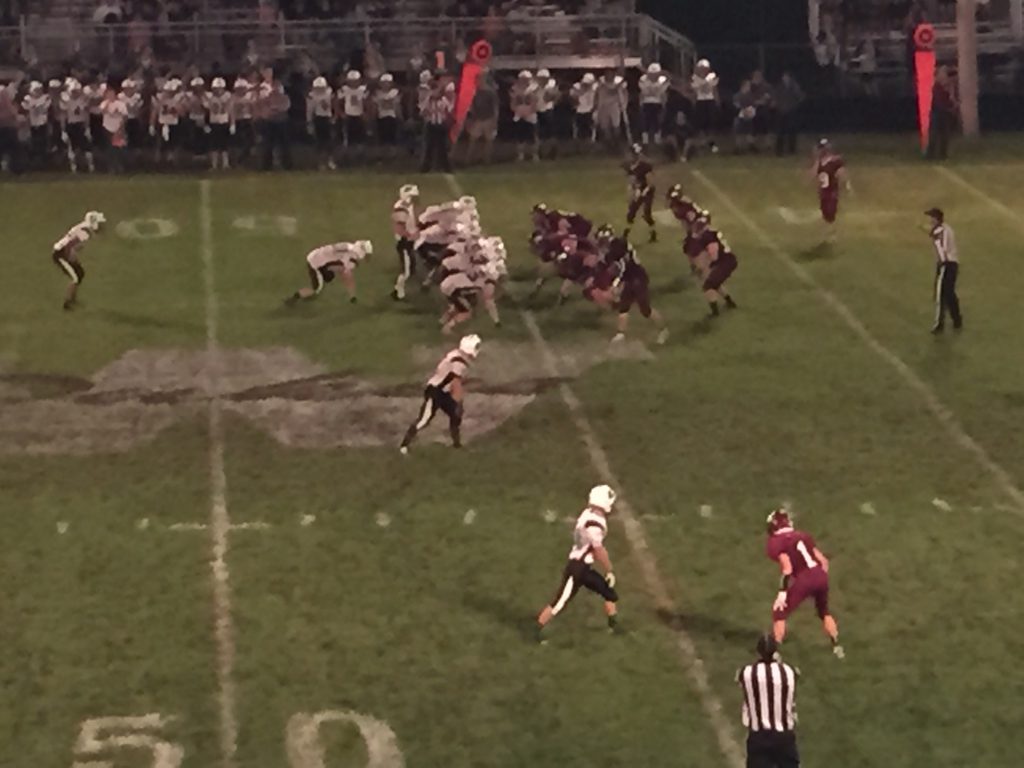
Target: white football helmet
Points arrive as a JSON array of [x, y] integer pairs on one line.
[[602, 497], [588, 78], [425, 77], [197, 82], [175, 83], [35, 87], [54, 84], [93, 220], [365, 246], [407, 192], [127, 84], [241, 84], [468, 202], [72, 85], [703, 64], [525, 75], [353, 75], [543, 74], [218, 84], [473, 228], [320, 83], [387, 78], [654, 69], [470, 345]]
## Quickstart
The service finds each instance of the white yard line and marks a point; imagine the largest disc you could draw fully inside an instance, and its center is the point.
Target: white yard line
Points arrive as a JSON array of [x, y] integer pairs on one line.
[[220, 520], [942, 413], [1015, 218]]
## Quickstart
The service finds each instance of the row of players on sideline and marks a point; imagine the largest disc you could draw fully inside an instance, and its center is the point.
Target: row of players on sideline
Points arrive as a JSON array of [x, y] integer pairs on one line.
[[167, 115]]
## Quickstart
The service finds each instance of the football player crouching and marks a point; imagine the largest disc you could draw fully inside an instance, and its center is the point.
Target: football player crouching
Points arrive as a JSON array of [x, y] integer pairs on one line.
[[445, 392], [463, 290], [622, 283], [328, 261], [66, 252]]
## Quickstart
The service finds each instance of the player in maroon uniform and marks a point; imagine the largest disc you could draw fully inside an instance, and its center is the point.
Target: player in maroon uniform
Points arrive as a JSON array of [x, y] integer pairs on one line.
[[575, 265], [687, 212], [620, 282], [804, 574], [717, 262], [829, 172], [641, 191]]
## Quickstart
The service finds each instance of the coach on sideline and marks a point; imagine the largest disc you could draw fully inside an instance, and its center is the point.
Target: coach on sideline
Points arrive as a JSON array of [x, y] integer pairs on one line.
[[769, 708]]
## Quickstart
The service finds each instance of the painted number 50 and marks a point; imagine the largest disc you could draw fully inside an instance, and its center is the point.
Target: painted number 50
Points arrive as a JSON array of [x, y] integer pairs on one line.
[[98, 737]]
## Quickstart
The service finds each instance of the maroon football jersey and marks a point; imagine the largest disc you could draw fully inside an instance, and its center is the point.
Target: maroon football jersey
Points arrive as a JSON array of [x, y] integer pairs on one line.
[[710, 237], [687, 211], [569, 223], [828, 174], [799, 546], [639, 171]]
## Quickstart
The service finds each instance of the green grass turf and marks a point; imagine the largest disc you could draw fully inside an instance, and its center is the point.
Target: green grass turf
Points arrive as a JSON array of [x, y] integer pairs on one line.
[[424, 623]]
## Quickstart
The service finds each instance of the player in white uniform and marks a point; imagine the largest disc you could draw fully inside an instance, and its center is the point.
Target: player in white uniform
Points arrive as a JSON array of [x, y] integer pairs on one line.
[[587, 547], [133, 104], [165, 120], [653, 97], [462, 290], [66, 253], [548, 95], [524, 101], [406, 229], [219, 106], [36, 106], [74, 117], [94, 93], [352, 107], [387, 103], [584, 98], [445, 392], [320, 121], [704, 87], [243, 104], [327, 261]]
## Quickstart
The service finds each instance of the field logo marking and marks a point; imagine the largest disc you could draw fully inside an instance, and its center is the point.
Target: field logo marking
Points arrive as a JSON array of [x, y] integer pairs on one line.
[[220, 520], [286, 226], [306, 747], [146, 229], [99, 736], [943, 415]]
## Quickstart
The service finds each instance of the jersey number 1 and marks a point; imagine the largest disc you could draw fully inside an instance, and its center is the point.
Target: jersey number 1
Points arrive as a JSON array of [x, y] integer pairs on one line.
[[802, 549]]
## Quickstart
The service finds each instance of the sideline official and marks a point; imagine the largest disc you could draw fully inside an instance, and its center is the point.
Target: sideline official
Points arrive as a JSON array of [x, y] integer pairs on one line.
[[947, 269], [769, 708], [438, 107]]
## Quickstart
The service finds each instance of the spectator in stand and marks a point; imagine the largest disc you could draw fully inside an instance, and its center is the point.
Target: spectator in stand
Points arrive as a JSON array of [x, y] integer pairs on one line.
[[945, 115], [788, 97]]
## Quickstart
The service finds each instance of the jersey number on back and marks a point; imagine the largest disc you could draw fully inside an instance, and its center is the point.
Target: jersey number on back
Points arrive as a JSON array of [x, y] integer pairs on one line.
[[802, 549]]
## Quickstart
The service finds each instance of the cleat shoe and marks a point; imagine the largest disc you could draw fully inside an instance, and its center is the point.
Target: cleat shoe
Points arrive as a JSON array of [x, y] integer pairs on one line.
[[662, 336], [838, 651]]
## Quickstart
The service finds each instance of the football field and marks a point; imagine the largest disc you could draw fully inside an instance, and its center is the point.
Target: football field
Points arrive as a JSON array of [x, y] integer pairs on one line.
[[215, 557]]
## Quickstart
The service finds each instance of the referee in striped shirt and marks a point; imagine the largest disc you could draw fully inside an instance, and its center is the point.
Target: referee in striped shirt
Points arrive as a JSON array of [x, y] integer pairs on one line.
[[769, 708], [947, 268], [437, 114]]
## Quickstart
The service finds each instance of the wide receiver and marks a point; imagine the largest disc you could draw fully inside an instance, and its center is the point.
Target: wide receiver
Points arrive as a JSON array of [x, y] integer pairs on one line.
[[804, 574], [829, 172], [444, 392], [588, 537], [66, 250], [327, 261]]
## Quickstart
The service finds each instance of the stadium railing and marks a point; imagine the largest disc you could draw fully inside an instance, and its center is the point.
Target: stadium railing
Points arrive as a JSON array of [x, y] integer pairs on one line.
[[551, 41]]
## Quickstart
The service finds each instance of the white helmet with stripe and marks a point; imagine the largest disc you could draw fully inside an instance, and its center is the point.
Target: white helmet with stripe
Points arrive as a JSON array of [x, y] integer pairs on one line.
[[407, 192], [425, 77], [602, 497], [470, 345], [387, 78], [365, 246], [543, 74], [197, 82], [320, 83], [218, 84], [654, 69], [35, 86], [588, 78], [353, 75]]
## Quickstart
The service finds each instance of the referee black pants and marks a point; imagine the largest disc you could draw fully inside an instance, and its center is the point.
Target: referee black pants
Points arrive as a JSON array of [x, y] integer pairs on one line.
[[435, 151], [771, 749], [946, 299]]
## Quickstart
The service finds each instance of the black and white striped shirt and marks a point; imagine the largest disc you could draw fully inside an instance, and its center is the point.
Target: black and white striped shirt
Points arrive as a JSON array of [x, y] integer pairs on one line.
[[945, 244], [769, 696], [437, 109]]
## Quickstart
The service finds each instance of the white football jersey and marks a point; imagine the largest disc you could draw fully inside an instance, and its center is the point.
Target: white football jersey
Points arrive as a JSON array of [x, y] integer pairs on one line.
[[38, 109], [168, 108], [452, 366], [524, 102], [705, 88], [242, 104], [547, 96], [347, 255], [133, 104], [403, 221], [219, 105], [75, 237], [94, 95], [386, 102], [584, 97], [320, 103], [353, 99], [654, 89], [589, 532], [75, 107]]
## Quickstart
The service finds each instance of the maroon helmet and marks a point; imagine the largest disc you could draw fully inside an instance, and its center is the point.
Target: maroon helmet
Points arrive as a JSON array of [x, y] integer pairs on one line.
[[778, 521]]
